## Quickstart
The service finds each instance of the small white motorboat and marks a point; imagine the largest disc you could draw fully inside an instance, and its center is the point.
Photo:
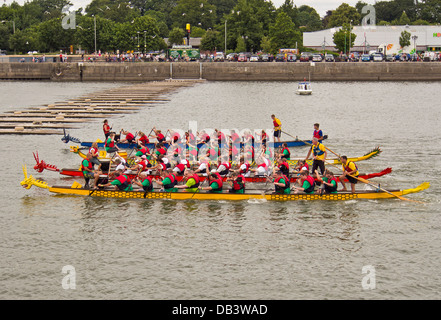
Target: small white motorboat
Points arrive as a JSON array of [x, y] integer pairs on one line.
[[304, 88]]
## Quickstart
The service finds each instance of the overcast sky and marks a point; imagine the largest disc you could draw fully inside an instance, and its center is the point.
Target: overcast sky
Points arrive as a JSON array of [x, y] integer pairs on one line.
[[320, 5]]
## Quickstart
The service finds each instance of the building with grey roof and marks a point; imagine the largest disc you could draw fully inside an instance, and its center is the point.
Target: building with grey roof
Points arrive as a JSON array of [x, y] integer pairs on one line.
[[427, 38]]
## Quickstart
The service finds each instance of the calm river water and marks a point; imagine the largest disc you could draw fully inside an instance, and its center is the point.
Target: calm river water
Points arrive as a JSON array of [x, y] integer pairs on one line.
[[132, 249]]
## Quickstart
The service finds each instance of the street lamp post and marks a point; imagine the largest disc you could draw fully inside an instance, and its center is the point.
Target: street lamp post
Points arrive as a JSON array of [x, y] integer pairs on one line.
[[145, 42], [94, 27], [414, 38], [225, 36], [350, 36]]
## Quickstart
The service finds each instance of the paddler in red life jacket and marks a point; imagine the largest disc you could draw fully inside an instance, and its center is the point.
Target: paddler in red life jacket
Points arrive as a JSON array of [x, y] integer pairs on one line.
[[244, 168], [192, 182], [263, 166], [94, 151], [142, 151], [204, 137], [106, 129], [283, 166], [110, 144], [216, 183], [317, 132], [248, 153], [158, 135], [143, 140], [175, 137], [88, 172], [221, 139], [161, 150], [350, 172], [329, 182], [121, 182], [234, 138], [223, 167], [237, 183], [145, 181], [142, 165], [263, 137], [130, 138], [281, 183], [301, 165], [285, 153], [248, 139], [181, 167], [168, 181], [307, 183]]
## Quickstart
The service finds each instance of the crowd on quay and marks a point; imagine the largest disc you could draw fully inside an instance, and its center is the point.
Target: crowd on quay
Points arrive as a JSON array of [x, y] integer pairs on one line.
[[219, 158]]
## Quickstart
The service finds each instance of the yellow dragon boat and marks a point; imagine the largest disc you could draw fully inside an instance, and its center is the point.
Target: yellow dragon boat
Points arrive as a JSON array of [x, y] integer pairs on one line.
[[104, 156], [77, 189]]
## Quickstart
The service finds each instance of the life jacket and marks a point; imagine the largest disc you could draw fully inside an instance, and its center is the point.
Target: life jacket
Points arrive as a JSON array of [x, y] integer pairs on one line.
[[172, 182], [275, 124], [239, 183], [311, 182], [144, 164], [289, 153], [163, 166], [244, 171], [160, 137], [89, 166], [227, 166], [284, 167], [162, 150], [150, 187], [287, 183], [111, 144], [176, 137], [129, 136], [218, 181], [94, 151], [181, 167], [144, 140], [124, 182], [196, 179], [329, 188], [347, 166], [318, 134], [144, 150], [106, 128], [316, 150], [235, 138]]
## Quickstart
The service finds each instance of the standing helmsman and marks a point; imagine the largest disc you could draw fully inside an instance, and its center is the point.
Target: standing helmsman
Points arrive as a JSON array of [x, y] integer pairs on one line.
[[277, 128]]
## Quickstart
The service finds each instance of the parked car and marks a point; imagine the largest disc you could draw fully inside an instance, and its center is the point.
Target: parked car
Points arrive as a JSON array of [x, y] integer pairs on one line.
[[415, 57], [219, 56], [280, 57], [341, 58], [377, 57], [304, 57], [317, 57], [265, 57], [232, 56], [329, 57], [390, 58], [365, 58], [291, 57], [242, 57], [254, 58], [405, 57]]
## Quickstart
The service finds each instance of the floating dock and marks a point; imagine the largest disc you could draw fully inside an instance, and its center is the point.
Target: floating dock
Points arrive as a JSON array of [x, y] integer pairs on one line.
[[115, 102]]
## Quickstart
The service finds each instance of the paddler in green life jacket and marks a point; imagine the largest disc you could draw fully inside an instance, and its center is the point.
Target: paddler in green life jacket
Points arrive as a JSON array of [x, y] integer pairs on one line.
[[168, 181], [307, 183], [144, 181], [237, 183], [88, 172], [216, 183], [285, 153], [281, 183], [192, 182]]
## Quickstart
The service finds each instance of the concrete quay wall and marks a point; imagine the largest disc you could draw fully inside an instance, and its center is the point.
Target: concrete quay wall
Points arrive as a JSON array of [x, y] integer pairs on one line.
[[223, 71]]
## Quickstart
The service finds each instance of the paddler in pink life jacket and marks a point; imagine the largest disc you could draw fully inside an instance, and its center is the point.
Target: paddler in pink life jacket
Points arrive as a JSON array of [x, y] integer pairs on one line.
[[307, 183], [203, 137], [175, 137]]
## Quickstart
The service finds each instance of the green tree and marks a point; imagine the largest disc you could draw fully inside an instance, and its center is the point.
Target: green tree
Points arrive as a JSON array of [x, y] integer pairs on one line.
[[53, 37], [343, 15], [308, 19], [198, 13], [176, 36], [211, 41], [241, 46], [405, 39], [344, 38], [283, 33], [429, 10]]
